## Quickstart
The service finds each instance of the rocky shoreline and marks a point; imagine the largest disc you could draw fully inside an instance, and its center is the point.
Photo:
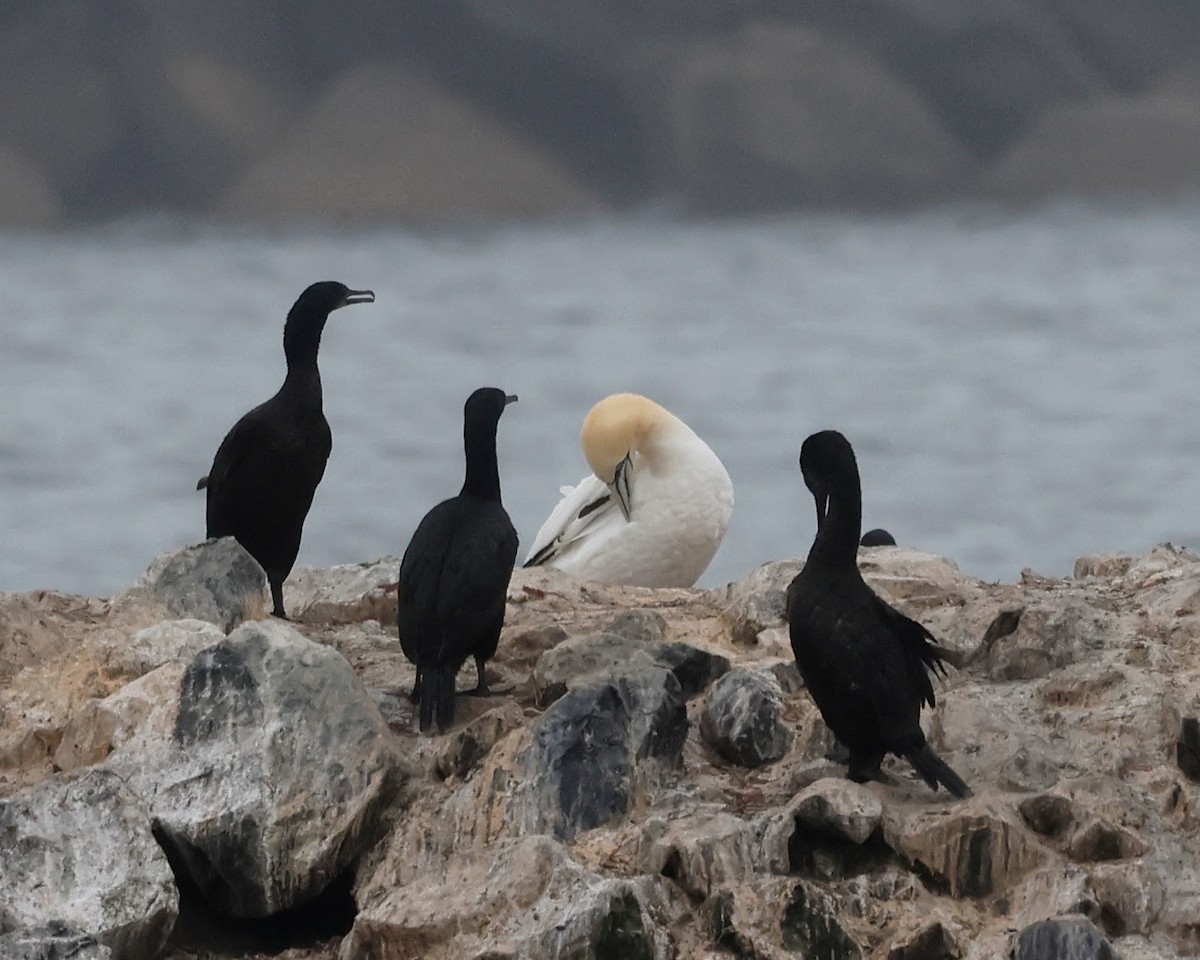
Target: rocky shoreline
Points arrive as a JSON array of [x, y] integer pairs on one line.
[[431, 110], [651, 783]]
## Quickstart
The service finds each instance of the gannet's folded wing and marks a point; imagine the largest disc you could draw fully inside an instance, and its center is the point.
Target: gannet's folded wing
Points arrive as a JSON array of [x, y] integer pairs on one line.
[[583, 507]]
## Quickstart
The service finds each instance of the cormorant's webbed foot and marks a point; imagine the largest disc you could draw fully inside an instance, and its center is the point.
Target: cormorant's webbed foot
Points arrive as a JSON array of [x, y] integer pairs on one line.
[[838, 753]]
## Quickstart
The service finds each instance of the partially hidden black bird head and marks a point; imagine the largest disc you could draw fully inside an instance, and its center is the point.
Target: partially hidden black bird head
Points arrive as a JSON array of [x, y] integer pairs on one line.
[[827, 463], [486, 404], [328, 295]]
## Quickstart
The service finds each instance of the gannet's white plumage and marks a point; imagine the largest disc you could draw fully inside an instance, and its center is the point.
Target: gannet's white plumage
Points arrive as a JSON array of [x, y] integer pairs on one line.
[[654, 509]]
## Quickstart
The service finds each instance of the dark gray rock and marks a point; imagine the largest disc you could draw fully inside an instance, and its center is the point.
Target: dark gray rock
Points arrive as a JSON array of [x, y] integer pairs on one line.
[[216, 581], [810, 926], [1187, 747], [931, 942], [1049, 814], [694, 668], [269, 784], [596, 746], [1064, 938], [1100, 840], [576, 659], [630, 639], [743, 718], [85, 838]]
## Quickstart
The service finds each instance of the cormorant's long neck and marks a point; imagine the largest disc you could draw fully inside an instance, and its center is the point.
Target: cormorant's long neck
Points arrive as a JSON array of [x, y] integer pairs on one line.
[[837, 540], [483, 472], [301, 343]]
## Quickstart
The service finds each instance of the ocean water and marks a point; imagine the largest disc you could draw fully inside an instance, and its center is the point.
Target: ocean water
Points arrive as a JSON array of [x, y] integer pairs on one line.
[[1021, 388]]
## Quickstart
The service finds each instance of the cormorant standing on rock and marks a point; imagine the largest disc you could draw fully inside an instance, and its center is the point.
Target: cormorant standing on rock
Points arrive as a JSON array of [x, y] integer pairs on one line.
[[268, 466], [865, 664], [455, 571]]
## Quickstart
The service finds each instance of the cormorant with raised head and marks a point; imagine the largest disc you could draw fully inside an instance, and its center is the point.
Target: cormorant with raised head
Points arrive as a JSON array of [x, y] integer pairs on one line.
[[268, 466], [455, 572], [866, 665]]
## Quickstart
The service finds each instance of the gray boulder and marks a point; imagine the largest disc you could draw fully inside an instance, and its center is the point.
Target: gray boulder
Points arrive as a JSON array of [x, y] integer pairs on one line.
[[743, 718], [596, 746], [216, 581], [1065, 938], [81, 865], [268, 786]]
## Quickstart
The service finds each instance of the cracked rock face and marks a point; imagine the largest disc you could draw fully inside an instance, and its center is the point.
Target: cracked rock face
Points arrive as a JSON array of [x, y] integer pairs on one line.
[[81, 874], [273, 772]]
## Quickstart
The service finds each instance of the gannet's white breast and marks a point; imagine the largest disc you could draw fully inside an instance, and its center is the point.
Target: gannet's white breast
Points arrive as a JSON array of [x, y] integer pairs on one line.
[[681, 501]]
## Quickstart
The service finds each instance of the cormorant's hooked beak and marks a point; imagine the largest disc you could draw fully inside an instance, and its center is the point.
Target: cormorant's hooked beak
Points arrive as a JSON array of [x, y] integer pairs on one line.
[[620, 485], [358, 296], [510, 398]]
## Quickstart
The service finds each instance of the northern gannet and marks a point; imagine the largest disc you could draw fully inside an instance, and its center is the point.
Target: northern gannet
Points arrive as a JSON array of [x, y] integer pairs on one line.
[[654, 509]]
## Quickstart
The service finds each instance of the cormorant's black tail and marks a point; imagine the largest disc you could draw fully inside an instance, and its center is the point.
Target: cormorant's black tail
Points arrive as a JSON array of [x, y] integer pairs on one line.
[[437, 696], [934, 770]]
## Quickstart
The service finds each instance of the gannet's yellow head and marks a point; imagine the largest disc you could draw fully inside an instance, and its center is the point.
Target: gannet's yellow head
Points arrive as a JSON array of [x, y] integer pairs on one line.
[[614, 428]]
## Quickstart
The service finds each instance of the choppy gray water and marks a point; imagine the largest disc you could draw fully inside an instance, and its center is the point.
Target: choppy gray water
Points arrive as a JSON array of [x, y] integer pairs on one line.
[[1021, 389]]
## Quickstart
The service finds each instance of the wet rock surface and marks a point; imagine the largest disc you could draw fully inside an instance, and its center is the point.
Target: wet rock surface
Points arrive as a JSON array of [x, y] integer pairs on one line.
[[282, 760]]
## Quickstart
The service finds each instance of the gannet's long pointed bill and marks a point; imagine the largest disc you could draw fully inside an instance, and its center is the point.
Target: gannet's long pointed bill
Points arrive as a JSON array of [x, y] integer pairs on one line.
[[621, 486]]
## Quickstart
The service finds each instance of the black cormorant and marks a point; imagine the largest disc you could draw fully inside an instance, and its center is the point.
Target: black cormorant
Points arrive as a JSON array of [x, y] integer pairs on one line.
[[268, 466], [866, 665], [455, 571]]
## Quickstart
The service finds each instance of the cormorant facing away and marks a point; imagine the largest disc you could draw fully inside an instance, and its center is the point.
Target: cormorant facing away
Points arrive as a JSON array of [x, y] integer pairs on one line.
[[653, 510], [455, 571], [268, 466], [865, 664]]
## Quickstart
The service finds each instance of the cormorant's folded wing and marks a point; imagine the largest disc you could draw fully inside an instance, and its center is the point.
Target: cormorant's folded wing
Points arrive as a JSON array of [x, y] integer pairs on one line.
[[920, 650], [583, 509]]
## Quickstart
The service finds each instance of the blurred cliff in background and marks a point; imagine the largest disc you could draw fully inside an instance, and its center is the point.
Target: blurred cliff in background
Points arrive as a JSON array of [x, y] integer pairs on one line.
[[424, 110]]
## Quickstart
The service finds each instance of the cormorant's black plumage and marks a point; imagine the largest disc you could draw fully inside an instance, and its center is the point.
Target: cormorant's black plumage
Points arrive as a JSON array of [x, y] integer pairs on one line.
[[268, 466], [455, 572], [866, 665]]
